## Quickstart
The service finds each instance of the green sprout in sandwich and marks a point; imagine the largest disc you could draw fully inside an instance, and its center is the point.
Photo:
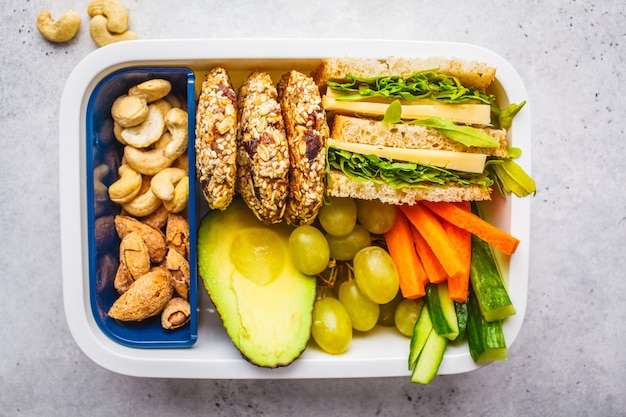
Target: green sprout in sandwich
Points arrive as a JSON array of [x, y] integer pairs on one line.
[[426, 84], [466, 135], [398, 174]]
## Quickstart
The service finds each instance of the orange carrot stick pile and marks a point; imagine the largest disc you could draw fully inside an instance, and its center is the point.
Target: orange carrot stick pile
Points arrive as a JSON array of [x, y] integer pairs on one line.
[[402, 250], [461, 240], [475, 225], [432, 243], [429, 226], [434, 271]]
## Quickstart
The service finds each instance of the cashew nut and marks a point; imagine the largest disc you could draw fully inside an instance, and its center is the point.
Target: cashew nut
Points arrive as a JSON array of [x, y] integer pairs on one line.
[[114, 12], [152, 90], [149, 161], [64, 29], [100, 191], [117, 132], [146, 133], [127, 186], [182, 162], [157, 220], [129, 111], [166, 150], [181, 196], [101, 35], [164, 106], [177, 124], [145, 203], [163, 182], [173, 100]]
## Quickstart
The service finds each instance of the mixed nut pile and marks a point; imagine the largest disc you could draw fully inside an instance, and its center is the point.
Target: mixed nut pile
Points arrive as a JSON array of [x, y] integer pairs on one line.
[[150, 196]]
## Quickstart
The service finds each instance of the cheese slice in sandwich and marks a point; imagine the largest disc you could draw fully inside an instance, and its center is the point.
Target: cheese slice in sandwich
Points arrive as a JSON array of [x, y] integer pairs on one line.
[[470, 114]]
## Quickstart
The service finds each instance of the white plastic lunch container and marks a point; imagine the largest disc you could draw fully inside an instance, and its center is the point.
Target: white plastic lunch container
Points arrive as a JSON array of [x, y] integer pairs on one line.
[[203, 350]]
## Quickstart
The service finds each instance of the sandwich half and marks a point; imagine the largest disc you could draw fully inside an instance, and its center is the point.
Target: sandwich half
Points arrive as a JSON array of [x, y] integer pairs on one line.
[[409, 129]]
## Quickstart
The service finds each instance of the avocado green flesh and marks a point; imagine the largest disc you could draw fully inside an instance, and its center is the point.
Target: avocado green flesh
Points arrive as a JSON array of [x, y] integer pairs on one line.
[[265, 303]]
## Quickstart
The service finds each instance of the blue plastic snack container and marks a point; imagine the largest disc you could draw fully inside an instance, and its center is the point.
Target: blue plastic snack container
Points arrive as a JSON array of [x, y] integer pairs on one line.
[[103, 151]]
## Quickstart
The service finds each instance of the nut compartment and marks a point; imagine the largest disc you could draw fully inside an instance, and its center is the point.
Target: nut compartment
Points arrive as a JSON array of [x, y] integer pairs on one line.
[[104, 156]]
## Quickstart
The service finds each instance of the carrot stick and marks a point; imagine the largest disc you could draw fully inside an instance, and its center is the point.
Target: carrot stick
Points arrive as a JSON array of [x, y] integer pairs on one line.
[[434, 271], [461, 240], [475, 225], [427, 223], [402, 251]]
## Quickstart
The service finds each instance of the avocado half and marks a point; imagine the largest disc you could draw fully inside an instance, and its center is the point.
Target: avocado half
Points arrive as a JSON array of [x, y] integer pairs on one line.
[[265, 303]]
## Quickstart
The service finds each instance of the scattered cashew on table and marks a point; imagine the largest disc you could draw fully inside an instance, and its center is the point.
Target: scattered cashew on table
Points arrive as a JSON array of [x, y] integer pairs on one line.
[[109, 23], [61, 30]]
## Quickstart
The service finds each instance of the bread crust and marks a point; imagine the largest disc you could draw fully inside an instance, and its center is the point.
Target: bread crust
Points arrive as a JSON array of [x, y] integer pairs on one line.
[[340, 185], [471, 73]]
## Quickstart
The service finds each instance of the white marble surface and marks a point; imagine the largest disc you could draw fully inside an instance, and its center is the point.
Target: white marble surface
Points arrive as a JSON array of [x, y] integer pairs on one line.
[[569, 358]]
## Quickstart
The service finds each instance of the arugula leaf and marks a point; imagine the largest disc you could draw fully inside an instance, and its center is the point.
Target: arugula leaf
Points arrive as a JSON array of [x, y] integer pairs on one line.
[[514, 152], [508, 113], [419, 85], [510, 177], [393, 114], [466, 135], [398, 174]]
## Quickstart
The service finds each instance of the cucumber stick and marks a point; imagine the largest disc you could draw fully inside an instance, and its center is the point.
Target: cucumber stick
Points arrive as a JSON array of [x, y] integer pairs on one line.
[[421, 331], [442, 311], [430, 359], [427, 349], [486, 282], [461, 318], [485, 339]]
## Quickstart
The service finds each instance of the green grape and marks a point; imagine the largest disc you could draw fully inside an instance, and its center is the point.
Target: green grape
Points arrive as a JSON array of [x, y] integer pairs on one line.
[[344, 248], [309, 250], [406, 315], [376, 274], [339, 217], [363, 312], [377, 217], [388, 310], [331, 328]]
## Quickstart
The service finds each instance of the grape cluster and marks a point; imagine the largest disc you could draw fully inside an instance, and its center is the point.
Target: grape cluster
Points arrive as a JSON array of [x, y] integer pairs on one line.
[[358, 285]]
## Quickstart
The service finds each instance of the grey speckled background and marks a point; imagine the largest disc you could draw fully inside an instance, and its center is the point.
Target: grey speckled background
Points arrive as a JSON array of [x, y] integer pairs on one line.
[[569, 357]]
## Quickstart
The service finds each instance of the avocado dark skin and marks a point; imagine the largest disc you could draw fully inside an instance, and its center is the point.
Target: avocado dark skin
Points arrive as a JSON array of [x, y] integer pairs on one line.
[[265, 303]]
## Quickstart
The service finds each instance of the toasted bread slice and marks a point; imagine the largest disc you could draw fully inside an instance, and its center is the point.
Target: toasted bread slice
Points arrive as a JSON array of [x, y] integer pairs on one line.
[[471, 73], [340, 185], [401, 135]]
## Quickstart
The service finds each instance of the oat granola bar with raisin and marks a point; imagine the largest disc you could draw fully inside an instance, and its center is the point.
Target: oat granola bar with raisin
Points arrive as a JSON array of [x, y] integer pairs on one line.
[[306, 129], [216, 135], [262, 154]]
